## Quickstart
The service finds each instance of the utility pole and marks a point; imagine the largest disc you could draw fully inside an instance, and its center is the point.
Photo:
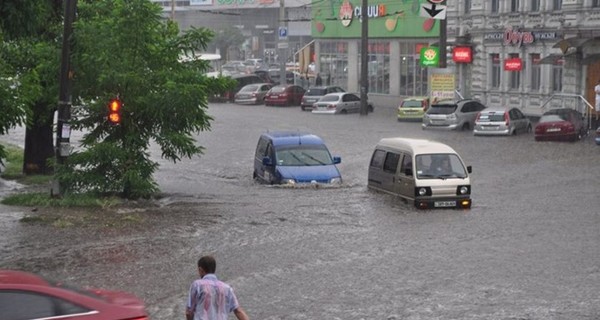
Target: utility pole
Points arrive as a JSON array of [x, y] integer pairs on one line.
[[443, 40], [364, 60], [63, 128], [172, 10]]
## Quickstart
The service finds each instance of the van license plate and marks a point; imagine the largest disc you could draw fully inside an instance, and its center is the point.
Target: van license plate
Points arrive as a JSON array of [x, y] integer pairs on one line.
[[444, 204]]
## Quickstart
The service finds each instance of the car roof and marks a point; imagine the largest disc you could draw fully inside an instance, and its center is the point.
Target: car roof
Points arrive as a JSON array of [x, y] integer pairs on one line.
[[496, 109], [337, 93], [21, 277], [560, 111], [415, 99], [417, 146], [292, 138]]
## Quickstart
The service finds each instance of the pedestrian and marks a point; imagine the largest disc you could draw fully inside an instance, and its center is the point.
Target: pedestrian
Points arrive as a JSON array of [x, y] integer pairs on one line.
[[597, 90], [209, 298], [318, 80]]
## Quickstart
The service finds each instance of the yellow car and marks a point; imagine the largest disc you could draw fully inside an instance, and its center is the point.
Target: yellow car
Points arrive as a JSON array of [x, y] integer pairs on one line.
[[413, 108]]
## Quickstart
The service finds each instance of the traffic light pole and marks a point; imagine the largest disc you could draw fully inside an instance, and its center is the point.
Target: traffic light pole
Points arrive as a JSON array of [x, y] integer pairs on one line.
[[63, 128]]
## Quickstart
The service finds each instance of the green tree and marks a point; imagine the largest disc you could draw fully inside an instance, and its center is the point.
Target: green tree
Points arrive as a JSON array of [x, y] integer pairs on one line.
[[124, 49], [226, 38], [29, 51]]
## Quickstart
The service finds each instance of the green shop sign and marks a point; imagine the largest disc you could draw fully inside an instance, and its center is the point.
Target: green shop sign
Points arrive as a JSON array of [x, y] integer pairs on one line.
[[430, 56], [387, 19]]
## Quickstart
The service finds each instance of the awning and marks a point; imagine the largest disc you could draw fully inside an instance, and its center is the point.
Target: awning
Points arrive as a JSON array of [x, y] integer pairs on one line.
[[551, 59], [576, 42], [591, 58]]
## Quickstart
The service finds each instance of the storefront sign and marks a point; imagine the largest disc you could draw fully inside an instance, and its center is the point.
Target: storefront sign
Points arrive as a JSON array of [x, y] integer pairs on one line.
[[430, 57], [513, 64], [462, 55], [519, 38], [201, 2], [442, 83]]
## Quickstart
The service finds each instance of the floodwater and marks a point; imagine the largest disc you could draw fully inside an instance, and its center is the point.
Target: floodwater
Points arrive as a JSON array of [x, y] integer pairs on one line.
[[528, 248]]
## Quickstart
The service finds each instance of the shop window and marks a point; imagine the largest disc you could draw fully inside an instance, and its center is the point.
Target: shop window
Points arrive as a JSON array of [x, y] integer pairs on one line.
[[536, 72], [514, 5], [379, 67], [514, 76], [495, 70], [557, 4], [495, 6], [557, 75], [334, 63], [535, 6]]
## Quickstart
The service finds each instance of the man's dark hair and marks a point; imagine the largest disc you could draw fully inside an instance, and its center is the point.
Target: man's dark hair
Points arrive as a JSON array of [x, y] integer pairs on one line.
[[208, 264]]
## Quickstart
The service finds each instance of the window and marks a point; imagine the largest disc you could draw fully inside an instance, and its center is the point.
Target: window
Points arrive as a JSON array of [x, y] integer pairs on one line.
[[557, 4], [406, 164], [536, 72], [495, 70], [379, 67], [377, 159], [467, 6], [514, 76], [514, 5], [595, 3], [26, 305], [495, 6], [334, 63], [557, 73], [535, 6], [391, 162]]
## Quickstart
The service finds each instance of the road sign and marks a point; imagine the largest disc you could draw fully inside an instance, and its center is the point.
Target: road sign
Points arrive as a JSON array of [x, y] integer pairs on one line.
[[429, 10], [283, 45], [283, 33]]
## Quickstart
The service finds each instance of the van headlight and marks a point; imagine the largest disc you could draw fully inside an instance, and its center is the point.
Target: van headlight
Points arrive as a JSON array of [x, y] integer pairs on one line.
[[337, 180], [422, 191], [288, 181], [463, 190]]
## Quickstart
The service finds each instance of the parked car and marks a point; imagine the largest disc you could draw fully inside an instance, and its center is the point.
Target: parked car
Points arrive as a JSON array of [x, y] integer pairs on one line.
[[275, 74], [234, 67], [339, 102], [501, 121], [561, 124], [426, 173], [25, 295], [253, 93], [413, 108], [284, 95], [597, 137], [450, 115], [313, 95], [241, 81], [291, 157]]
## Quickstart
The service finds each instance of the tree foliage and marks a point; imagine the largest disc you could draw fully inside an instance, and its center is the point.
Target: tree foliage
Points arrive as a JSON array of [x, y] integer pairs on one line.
[[29, 47], [124, 49], [227, 38]]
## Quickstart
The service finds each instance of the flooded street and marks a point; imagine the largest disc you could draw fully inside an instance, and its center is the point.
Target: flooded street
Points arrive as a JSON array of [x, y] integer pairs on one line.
[[528, 249]]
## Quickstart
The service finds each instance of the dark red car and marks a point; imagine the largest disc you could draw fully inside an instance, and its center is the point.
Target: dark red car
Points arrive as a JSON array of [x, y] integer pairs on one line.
[[561, 124], [25, 295], [286, 95]]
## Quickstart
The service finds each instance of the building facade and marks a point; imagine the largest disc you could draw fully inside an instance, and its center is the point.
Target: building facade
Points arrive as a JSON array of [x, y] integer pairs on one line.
[[533, 54]]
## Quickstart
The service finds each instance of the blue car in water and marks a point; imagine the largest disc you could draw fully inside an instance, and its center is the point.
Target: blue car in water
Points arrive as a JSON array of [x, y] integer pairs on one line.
[[291, 157], [597, 137]]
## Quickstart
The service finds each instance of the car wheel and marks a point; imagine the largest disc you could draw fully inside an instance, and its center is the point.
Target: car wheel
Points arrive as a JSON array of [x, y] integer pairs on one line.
[[344, 111], [465, 126], [302, 108], [370, 108]]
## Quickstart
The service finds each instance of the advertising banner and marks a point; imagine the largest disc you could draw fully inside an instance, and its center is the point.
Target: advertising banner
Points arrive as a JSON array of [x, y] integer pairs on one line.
[[387, 19], [442, 83]]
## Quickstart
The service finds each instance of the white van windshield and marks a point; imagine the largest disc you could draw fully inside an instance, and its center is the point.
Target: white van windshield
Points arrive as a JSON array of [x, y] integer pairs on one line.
[[303, 155], [439, 166]]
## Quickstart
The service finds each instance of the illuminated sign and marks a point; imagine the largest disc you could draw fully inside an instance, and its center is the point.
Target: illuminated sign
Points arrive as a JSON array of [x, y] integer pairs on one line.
[[430, 57], [462, 55], [513, 64]]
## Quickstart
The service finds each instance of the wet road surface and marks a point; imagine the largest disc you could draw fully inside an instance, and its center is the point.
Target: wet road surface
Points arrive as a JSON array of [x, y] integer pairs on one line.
[[528, 249]]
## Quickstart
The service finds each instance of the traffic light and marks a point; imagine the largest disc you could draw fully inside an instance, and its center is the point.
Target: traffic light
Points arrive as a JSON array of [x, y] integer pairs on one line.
[[114, 111]]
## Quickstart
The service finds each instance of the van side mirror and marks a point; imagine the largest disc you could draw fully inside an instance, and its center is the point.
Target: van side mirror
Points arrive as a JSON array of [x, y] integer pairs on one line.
[[267, 161], [469, 169], [337, 159]]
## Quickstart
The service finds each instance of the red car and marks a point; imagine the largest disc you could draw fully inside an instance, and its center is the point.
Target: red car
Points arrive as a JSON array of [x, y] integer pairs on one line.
[[562, 124], [24, 295], [284, 95]]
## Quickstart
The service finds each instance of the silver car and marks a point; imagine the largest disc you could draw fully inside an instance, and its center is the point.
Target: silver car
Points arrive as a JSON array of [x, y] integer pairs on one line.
[[501, 121], [339, 102], [313, 94], [449, 115], [252, 93]]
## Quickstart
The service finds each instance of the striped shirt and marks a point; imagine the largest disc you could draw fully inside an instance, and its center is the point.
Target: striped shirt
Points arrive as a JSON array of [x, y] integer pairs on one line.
[[211, 299]]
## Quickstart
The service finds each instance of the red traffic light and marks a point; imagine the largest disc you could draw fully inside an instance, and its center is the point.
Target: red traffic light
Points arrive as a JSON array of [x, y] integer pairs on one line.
[[114, 111]]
